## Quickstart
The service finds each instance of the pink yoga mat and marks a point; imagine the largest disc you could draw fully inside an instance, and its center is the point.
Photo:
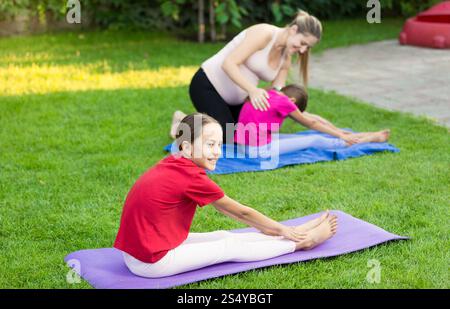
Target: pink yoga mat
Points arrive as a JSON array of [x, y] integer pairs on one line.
[[104, 268]]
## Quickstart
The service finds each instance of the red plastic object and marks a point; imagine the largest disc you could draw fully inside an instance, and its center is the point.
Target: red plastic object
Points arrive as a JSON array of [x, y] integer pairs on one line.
[[430, 28]]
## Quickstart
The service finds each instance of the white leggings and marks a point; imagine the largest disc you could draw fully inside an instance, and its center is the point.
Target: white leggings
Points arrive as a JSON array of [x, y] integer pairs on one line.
[[204, 249], [286, 145], [309, 141]]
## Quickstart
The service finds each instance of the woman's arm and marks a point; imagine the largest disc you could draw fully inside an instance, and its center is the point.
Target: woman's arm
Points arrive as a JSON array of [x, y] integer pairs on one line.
[[256, 38], [280, 79], [254, 218], [315, 124]]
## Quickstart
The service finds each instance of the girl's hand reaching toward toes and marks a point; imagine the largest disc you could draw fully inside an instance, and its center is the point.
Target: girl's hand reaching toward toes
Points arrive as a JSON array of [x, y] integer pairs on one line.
[[291, 233]]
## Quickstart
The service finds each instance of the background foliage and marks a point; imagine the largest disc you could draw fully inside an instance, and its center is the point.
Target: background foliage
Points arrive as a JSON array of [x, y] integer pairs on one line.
[[183, 14]]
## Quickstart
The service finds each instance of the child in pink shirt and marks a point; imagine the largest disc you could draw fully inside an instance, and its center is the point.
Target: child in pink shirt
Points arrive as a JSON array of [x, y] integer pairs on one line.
[[258, 130]]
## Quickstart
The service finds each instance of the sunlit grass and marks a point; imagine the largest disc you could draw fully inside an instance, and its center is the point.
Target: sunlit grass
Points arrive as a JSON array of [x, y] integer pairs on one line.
[[42, 79], [120, 60]]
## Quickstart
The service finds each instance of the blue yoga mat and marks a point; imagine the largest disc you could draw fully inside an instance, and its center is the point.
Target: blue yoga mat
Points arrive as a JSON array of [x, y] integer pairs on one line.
[[229, 163]]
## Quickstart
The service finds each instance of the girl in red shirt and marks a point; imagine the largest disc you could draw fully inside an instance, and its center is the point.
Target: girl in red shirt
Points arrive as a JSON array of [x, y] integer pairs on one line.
[[154, 229]]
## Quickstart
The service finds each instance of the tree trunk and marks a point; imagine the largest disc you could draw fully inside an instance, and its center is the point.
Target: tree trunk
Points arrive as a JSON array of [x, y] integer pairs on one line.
[[223, 34], [201, 21], [212, 20]]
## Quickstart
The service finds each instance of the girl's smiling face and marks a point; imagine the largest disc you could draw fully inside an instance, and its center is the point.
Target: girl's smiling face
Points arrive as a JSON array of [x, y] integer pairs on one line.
[[208, 147], [298, 42]]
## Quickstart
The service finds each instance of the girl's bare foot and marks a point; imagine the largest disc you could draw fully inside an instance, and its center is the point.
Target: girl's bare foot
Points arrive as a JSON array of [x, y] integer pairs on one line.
[[176, 119], [319, 234], [386, 133], [381, 136], [312, 223], [376, 137]]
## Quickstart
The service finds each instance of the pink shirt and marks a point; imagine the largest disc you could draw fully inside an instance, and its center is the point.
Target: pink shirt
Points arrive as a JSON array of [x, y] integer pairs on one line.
[[255, 127]]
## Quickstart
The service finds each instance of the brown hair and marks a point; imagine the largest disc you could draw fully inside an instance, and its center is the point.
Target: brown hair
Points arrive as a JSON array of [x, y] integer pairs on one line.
[[299, 93], [306, 24], [188, 129]]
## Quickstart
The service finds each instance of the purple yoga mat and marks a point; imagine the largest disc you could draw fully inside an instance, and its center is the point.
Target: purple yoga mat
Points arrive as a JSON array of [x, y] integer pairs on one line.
[[104, 268]]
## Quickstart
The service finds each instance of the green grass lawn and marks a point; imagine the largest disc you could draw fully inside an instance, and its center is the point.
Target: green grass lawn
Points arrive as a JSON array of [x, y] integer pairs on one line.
[[83, 115]]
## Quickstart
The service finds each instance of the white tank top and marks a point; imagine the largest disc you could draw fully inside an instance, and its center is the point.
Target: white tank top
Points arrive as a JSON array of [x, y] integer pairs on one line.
[[255, 68]]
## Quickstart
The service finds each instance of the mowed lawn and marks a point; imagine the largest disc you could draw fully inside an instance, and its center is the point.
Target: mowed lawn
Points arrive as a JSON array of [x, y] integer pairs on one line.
[[82, 115]]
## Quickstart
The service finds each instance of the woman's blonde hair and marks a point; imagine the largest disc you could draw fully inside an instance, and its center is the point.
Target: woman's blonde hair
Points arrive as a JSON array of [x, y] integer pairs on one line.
[[306, 24]]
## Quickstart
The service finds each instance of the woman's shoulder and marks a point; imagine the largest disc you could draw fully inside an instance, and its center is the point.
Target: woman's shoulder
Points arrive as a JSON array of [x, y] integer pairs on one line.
[[262, 30]]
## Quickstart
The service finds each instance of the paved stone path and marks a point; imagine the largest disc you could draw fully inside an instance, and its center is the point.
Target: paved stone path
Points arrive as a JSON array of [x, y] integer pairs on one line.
[[388, 75]]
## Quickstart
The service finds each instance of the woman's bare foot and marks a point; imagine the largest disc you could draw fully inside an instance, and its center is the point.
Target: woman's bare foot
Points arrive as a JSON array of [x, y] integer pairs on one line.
[[311, 223], [319, 234], [176, 119]]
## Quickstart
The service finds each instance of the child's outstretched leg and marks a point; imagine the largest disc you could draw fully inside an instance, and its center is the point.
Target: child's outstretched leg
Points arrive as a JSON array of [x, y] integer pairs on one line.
[[176, 119], [372, 137], [204, 249], [287, 145], [221, 234]]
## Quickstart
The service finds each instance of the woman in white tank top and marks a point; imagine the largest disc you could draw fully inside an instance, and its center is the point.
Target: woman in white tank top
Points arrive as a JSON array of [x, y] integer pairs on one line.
[[260, 52]]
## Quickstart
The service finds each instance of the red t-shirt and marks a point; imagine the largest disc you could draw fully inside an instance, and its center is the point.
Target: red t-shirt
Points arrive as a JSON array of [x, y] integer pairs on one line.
[[160, 206]]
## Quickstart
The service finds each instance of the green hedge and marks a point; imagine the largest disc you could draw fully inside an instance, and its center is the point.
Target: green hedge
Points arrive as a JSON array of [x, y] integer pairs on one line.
[[170, 14]]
